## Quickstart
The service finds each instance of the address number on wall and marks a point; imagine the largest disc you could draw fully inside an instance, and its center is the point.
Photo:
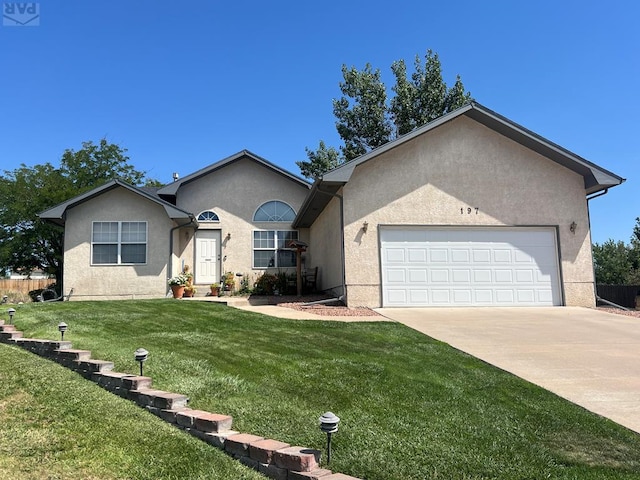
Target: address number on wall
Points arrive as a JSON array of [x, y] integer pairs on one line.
[[469, 210]]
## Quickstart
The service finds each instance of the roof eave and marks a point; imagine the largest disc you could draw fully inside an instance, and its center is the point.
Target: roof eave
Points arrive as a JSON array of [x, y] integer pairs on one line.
[[172, 188]]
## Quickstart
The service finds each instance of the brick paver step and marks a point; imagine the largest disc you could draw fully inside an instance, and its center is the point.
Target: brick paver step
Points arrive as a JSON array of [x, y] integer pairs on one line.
[[158, 398], [73, 354], [10, 336]]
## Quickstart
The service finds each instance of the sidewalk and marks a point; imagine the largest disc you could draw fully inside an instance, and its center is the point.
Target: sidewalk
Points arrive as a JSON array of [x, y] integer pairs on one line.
[[242, 303]]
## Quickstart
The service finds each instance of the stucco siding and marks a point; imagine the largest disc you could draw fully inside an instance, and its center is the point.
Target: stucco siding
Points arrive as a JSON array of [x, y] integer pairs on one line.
[[435, 178], [325, 250], [116, 281], [234, 193]]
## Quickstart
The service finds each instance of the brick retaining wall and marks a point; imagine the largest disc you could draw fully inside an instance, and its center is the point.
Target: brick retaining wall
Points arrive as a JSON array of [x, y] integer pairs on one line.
[[272, 458]]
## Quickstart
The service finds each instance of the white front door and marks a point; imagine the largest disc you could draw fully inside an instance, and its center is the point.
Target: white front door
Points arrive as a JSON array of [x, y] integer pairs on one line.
[[207, 256]]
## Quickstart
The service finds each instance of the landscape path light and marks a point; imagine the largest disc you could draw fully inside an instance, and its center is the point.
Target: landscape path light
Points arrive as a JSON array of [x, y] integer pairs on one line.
[[62, 327], [329, 424], [11, 312], [141, 356]]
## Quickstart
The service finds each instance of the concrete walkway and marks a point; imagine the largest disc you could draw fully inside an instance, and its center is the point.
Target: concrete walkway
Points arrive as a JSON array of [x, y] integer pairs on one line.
[[589, 357]]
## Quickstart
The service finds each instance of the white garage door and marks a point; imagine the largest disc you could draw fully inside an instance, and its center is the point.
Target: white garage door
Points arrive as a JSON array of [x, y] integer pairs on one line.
[[452, 267]]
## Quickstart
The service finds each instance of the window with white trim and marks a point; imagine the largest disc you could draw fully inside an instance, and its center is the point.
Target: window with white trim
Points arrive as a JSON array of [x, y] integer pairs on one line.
[[270, 248], [274, 211], [208, 216], [118, 243]]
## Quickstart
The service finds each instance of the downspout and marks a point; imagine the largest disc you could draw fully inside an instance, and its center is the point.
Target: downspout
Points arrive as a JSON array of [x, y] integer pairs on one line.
[[344, 280], [170, 264], [593, 263]]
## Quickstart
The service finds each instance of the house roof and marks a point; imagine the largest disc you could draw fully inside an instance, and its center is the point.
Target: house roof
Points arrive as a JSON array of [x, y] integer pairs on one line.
[[57, 214], [596, 178], [172, 188]]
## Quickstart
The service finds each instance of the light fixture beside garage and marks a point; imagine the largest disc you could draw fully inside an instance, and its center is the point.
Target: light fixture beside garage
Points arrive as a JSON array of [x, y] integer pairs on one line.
[[365, 227], [573, 227]]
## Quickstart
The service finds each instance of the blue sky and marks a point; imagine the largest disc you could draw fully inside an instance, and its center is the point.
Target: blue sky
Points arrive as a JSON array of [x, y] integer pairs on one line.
[[184, 84]]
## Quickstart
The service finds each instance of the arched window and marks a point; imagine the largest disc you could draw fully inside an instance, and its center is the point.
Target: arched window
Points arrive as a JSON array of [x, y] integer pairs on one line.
[[208, 216], [274, 211]]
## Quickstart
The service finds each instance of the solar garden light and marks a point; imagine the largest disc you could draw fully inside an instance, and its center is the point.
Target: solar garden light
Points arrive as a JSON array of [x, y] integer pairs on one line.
[[11, 312], [329, 424], [62, 327], [141, 356]]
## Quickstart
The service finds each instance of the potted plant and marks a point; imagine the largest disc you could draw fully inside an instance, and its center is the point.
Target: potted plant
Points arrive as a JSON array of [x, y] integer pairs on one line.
[[229, 281], [215, 289], [177, 285], [189, 290]]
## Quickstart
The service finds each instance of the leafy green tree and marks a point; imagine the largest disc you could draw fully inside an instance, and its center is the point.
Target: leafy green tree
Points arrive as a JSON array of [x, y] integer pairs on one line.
[[613, 264], [364, 118], [321, 160], [361, 113], [26, 242], [634, 255]]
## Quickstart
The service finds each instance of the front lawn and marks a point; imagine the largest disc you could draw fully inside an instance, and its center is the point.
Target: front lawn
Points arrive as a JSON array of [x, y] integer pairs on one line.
[[411, 407]]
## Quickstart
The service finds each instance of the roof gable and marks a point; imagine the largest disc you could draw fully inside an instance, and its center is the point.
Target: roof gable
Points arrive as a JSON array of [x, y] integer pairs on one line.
[[171, 189], [57, 214], [595, 178]]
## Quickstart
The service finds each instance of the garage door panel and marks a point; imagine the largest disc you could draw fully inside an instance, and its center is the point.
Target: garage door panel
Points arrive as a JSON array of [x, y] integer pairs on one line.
[[501, 255], [458, 266], [503, 276], [418, 275], [484, 297], [525, 276], [395, 255], [440, 297], [481, 255], [397, 297], [459, 255], [417, 255], [439, 255], [461, 276], [419, 296], [482, 276], [396, 275], [462, 297], [439, 275]]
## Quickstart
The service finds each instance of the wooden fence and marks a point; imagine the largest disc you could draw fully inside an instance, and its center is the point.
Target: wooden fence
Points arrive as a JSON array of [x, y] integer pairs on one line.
[[624, 295], [24, 286]]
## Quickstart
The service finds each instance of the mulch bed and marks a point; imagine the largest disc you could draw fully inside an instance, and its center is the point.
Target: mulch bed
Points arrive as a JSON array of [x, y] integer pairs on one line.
[[617, 311], [333, 309]]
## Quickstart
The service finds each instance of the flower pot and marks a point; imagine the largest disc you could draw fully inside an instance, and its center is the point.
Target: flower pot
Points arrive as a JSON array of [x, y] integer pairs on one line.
[[215, 291], [178, 291], [188, 292]]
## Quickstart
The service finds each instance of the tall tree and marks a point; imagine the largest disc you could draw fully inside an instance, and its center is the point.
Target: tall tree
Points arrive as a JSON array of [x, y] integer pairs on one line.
[[364, 118], [361, 113], [321, 160], [26, 242], [403, 104], [613, 265]]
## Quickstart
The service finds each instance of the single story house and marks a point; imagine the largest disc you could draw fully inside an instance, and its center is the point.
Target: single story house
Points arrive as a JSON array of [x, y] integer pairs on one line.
[[468, 210]]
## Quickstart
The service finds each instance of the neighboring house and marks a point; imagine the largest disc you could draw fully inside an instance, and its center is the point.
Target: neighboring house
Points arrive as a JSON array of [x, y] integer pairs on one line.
[[469, 210]]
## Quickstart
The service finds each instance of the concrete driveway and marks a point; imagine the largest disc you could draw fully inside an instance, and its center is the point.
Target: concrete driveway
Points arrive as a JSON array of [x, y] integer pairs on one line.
[[589, 357]]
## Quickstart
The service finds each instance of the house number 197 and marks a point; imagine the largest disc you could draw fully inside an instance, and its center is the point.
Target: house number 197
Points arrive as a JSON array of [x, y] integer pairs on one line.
[[469, 210]]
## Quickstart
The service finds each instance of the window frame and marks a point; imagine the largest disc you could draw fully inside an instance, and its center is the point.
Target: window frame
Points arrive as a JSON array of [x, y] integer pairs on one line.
[[271, 219], [276, 239], [217, 217], [119, 242]]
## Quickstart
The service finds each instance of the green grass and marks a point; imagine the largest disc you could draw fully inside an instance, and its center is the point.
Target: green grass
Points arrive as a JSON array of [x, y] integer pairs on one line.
[[411, 407]]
